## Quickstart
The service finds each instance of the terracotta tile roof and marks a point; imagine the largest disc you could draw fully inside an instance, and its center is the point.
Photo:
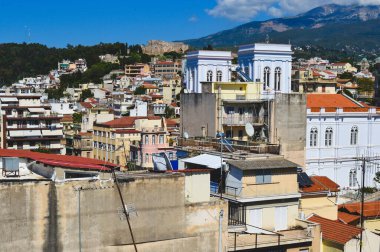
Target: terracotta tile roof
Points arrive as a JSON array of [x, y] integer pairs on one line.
[[127, 131], [371, 209], [355, 109], [67, 118], [87, 105], [85, 134], [339, 64], [127, 121], [315, 73], [347, 218], [329, 101], [335, 231], [58, 160], [171, 123], [329, 72], [149, 86], [321, 183]]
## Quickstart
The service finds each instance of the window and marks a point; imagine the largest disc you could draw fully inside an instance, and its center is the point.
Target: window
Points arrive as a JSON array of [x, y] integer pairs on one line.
[[353, 178], [313, 137], [229, 134], [171, 155], [146, 157], [240, 135], [328, 136], [266, 77], [277, 79], [219, 76], [354, 135], [146, 139], [263, 176], [209, 75], [161, 140], [153, 139]]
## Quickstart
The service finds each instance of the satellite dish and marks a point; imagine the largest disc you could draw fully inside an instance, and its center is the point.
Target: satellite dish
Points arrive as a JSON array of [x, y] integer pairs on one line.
[[185, 135], [249, 129]]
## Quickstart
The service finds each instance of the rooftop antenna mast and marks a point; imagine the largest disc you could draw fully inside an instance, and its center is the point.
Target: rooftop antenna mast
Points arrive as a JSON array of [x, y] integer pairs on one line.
[[267, 39]]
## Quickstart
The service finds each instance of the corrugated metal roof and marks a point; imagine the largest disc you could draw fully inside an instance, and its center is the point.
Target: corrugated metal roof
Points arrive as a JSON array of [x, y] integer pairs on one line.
[[210, 161], [59, 160], [258, 164]]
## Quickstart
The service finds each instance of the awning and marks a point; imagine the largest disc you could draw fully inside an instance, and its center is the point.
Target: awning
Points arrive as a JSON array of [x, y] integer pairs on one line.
[[24, 133], [8, 99], [36, 110], [52, 132], [210, 161]]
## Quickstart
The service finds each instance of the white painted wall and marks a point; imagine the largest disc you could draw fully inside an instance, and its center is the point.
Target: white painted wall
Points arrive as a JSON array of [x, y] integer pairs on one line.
[[338, 160], [256, 57], [198, 63]]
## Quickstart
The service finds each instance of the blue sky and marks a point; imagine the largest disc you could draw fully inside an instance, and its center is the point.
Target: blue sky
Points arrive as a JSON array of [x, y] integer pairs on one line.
[[58, 23]]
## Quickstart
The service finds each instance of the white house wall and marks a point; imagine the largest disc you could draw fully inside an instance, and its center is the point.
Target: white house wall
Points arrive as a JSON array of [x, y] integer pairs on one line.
[[338, 160]]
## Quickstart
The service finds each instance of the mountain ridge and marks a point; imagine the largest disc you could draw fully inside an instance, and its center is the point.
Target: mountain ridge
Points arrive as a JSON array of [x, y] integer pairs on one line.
[[323, 20]]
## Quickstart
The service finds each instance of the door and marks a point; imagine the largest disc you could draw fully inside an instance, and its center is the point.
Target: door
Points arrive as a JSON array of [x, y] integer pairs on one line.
[[255, 220], [281, 218]]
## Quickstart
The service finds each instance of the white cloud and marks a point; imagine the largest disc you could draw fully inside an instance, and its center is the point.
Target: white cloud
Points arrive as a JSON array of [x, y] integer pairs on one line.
[[193, 19], [244, 10]]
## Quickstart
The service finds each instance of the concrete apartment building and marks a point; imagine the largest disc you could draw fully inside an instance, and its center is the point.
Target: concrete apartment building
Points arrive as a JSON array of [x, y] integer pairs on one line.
[[314, 81], [135, 70], [170, 92], [263, 200], [131, 139], [167, 69], [154, 140], [27, 124], [112, 139], [166, 212], [83, 144]]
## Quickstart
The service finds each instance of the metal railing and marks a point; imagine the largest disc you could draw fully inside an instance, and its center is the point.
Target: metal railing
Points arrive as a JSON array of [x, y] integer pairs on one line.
[[236, 119]]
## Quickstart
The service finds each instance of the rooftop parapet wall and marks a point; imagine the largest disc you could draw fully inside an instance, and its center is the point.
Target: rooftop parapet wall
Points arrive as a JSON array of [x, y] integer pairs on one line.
[[44, 216]]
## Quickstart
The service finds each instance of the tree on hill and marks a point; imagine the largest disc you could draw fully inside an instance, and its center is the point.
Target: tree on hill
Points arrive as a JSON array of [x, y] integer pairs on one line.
[[25, 60], [365, 85], [86, 94], [139, 90], [346, 75]]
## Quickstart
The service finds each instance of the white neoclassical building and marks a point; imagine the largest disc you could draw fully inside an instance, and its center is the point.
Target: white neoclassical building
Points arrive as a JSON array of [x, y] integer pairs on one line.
[[270, 64], [211, 66], [339, 131]]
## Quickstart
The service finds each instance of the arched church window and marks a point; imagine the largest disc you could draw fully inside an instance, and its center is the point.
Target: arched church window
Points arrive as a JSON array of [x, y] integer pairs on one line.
[[277, 79], [219, 76], [209, 75], [266, 77]]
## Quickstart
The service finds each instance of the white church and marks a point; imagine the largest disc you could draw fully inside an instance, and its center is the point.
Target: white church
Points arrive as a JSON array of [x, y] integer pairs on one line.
[[270, 64]]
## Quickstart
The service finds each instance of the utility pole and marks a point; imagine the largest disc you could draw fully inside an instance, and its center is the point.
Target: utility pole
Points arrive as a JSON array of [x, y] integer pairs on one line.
[[220, 246], [362, 205]]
